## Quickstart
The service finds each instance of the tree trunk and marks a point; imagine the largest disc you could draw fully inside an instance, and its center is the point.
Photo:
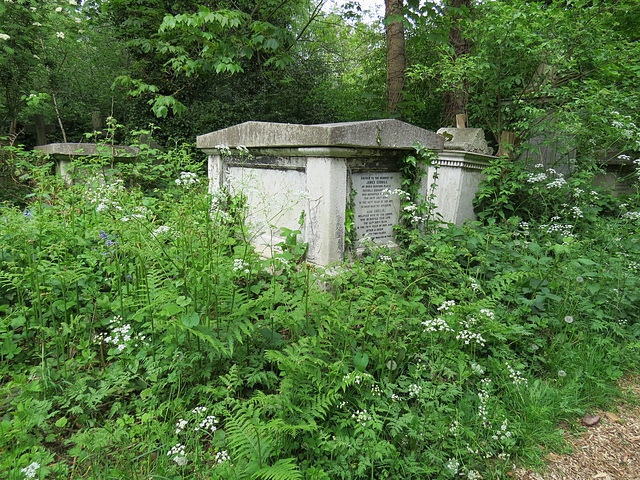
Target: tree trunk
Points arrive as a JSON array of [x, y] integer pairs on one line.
[[456, 100], [396, 54]]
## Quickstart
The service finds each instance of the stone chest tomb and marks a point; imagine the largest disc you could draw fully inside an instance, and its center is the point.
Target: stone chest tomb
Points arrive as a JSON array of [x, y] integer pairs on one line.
[[65, 154], [326, 179]]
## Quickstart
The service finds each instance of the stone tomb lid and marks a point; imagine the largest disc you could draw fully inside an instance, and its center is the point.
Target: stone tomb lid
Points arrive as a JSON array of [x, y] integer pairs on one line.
[[87, 150], [388, 133]]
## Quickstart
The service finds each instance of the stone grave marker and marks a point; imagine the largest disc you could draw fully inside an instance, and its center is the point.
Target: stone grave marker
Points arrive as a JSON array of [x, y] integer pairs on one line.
[[64, 155], [321, 171]]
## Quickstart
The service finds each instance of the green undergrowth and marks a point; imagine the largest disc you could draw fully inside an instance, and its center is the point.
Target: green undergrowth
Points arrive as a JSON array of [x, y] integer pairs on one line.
[[141, 337]]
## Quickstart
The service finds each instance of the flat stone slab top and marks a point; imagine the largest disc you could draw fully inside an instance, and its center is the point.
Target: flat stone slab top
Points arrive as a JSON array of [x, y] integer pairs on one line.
[[87, 150], [387, 134]]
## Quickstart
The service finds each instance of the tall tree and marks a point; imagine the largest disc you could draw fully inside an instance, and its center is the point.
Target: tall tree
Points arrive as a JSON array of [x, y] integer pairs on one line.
[[456, 99], [396, 53]]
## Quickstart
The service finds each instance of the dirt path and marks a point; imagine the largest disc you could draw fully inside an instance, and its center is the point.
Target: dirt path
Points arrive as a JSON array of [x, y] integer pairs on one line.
[[609, 450]]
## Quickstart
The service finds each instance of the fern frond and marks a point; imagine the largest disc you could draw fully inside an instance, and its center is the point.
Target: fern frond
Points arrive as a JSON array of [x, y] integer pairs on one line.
[[246, 437], [284, 469]]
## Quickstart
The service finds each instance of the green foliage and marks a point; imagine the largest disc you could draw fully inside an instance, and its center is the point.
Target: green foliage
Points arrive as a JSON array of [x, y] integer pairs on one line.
[[58, 61], [353, 52], [140, 334], [544, 68]]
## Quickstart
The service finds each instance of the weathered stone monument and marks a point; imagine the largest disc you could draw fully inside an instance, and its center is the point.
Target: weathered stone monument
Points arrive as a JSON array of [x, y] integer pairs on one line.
[[105, 158], [316, 177]]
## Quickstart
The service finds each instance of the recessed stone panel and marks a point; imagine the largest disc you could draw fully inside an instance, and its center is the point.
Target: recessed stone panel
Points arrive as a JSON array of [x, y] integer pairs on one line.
[[375, 209]]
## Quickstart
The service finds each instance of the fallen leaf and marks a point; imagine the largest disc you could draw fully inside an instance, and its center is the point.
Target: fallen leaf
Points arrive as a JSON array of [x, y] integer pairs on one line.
[[606, 476], [612, 417]]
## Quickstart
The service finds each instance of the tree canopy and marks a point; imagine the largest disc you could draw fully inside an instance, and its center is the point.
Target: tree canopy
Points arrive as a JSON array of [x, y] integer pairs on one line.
[[191, 67]]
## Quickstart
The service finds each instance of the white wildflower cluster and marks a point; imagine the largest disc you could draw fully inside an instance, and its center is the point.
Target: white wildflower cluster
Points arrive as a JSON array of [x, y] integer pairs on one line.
[[180, 425], [516, 375], [161, 230], [375, 391], [537, 177], [222, 456], [623, 322], [209, 423], [395, 398], [218, 213], [576, 212], [224, 150], [411, 209], [477, 369], [473, 475], [356, 378], [483, 395], [475, 286], [178, 453], [467, 336], [525, 227], [447, 305], [362, 417], [239, 265], [558, 182], [103, 196], [120, 335], [488, 313], [625, 124], [187, 179], [414, 390], [562, 373], [454, 427], [453, 466], [436, 325], [631, 215], [556, 179], [30, 470], [60, 35], [565, 230], [399, 192], [4, 36], [502, 433], [384, 259], [139, 212]]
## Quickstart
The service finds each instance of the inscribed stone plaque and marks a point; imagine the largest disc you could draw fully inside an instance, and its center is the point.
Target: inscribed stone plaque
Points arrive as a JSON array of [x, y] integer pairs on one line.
[[375, 212]]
